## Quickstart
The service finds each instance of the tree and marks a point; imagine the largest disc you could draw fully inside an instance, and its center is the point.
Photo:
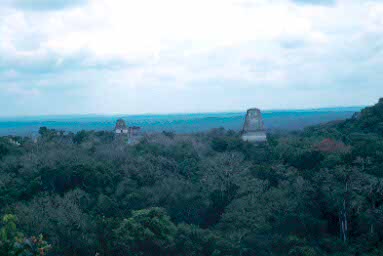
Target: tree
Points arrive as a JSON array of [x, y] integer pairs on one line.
[[149, 232], [62, 219], [80, 137], [13, 243], [4, 150]]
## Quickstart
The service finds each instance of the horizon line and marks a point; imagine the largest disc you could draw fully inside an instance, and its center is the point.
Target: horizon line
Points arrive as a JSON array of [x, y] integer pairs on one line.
[[184, 113]]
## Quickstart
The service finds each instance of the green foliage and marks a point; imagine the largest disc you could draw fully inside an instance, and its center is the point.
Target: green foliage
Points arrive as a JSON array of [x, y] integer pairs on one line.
[[62, 219], [199, 194], [306, 160], [148, 232], [4, 150], [80, 137], [191, 240], [13, 243], [302, 251]]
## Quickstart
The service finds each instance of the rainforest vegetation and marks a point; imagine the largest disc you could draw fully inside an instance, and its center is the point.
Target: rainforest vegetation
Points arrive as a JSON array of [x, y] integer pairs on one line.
[[313, 192]]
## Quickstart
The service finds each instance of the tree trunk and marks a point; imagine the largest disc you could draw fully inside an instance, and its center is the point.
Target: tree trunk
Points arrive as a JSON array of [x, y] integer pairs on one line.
[[343, 218]]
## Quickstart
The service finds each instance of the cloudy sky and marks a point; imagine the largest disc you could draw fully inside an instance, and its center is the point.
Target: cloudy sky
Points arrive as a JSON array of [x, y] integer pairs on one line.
[[173, 56]]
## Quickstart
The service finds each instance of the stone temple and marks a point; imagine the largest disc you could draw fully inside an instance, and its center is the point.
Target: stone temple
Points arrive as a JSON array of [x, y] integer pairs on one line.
[[130, 134], [121, 127], [253, 129]]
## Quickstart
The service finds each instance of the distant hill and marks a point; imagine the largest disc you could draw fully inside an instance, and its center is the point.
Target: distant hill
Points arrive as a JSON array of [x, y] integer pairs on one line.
[[369, 120], [368, 123]]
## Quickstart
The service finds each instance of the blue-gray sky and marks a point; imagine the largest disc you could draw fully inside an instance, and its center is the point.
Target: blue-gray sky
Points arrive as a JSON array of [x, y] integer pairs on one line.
[[166, 56]]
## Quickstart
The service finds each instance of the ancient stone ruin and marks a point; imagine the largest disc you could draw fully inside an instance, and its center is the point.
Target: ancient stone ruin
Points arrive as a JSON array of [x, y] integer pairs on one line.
[[253, 129], [131, 134], [134, 134], [121, 127], [134, 131]]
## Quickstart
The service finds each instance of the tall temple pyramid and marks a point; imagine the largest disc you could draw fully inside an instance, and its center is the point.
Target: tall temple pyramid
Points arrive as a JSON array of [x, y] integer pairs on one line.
[[253, 129], [121, 127]]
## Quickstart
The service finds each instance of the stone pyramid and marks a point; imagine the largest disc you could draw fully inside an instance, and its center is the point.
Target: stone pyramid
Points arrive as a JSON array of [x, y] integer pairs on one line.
[[253, 129]]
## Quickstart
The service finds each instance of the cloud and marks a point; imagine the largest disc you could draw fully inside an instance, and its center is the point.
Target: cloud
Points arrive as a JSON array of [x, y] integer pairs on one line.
[[44, 5], [49, 62], [316, 2], [21, 92], [203, 55]]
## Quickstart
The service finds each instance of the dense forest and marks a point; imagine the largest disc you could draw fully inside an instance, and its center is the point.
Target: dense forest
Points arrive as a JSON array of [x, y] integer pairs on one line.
[[314, 192]]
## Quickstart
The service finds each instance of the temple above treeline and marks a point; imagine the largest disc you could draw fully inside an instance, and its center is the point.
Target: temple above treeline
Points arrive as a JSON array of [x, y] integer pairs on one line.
[[133, 133], [121, 127], [253, 129]]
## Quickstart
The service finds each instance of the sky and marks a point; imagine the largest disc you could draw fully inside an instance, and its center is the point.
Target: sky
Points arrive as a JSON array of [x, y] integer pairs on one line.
[[180, 56]]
